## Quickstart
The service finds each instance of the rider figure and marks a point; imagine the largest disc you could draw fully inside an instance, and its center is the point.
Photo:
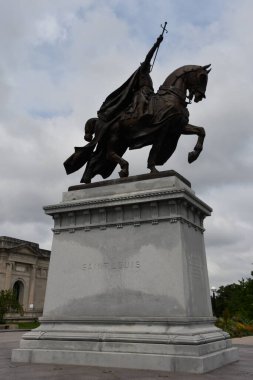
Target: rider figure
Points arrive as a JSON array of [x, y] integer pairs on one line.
[[137, 90], [131, 99], [144, 86]]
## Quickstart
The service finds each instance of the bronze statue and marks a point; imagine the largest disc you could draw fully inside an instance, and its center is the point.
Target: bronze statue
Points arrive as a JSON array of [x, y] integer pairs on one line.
[[134, 116]]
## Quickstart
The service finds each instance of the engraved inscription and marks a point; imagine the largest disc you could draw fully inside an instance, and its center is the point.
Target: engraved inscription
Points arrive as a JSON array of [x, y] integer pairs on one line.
[[112, 265]]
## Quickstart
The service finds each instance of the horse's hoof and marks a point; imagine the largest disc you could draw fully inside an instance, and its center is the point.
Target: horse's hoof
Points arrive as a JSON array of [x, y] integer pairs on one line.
[[192, 156], [123, 173], [153, 170], [85, 179]]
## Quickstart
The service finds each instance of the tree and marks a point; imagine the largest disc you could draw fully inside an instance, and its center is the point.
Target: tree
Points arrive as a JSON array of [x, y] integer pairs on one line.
[[236, 300], [9, 303]]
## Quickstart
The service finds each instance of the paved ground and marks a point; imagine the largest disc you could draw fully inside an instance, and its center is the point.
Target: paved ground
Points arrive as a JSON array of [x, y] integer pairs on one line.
[[246, 341], [243, 369]]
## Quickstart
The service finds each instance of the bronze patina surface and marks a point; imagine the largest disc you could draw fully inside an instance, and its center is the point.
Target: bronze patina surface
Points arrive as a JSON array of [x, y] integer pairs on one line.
[[134, 116]]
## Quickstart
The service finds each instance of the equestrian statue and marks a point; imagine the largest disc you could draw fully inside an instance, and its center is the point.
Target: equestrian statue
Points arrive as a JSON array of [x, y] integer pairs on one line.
[[134, 116]]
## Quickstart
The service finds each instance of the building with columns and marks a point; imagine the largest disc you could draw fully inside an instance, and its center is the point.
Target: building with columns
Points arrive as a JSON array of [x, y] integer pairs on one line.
[[24, 268]]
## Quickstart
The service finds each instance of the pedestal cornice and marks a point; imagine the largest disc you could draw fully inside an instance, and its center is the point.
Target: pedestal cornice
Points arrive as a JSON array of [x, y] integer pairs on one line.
[[121, 203]]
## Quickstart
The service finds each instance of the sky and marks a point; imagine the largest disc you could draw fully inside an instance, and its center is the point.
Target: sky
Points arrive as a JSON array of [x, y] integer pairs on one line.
[[59, 61]]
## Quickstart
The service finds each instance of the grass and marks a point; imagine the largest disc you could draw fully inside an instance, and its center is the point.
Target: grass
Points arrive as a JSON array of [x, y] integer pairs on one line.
[[28, 325]]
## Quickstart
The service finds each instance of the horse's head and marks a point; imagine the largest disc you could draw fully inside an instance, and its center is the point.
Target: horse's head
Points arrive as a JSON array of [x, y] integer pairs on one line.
[[192, 78], [196, 81]]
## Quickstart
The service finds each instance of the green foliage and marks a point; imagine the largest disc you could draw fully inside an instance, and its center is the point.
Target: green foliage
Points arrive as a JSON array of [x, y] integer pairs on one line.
[[9, 303], [28, 325], [235, 328], [235, 300], [233, 305]]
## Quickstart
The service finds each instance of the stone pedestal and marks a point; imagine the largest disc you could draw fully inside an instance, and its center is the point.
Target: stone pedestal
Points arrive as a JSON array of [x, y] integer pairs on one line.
[[128, 283]]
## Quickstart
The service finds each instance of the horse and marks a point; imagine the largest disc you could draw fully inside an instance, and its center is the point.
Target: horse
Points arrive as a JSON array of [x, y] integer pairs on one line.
[[161, 126]]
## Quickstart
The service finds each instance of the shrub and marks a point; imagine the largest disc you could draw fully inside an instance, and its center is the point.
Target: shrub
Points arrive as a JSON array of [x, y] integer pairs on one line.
[[235, 327], [9, 303]]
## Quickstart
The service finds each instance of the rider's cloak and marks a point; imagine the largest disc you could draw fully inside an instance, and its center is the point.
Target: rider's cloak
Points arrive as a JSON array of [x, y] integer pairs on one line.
[[119, 100], [111, 110]]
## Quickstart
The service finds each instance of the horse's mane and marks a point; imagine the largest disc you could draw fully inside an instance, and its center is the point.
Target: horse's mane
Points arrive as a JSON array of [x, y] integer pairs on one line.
[[171, 79]]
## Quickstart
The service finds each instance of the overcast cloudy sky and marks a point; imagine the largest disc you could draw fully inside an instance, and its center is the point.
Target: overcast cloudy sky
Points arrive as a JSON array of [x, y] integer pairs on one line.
[[61, 58]]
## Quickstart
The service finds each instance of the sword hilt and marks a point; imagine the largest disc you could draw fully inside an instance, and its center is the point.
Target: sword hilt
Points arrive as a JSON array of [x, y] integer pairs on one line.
[[164, 28]]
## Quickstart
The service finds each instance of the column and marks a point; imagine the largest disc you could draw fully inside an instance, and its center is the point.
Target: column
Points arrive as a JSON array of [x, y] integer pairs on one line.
[[32, 286], [8, 274]]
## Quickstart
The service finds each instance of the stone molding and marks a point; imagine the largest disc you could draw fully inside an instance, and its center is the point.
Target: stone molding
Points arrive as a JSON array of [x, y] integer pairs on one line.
[[136, 209], [87, 228], [199, 338], [130, 320], [184, 193]]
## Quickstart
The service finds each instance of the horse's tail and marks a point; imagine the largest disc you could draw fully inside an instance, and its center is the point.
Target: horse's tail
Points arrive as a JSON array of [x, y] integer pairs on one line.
[[90, 128]]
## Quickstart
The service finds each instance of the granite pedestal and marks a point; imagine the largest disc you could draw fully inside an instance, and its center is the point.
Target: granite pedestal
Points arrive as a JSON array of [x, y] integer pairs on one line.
[[128, 284]]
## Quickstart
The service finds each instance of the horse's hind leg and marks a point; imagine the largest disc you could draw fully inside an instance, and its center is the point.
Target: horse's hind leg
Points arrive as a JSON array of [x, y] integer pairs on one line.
[[152, 159], [162, 145], [124, 165], [115, 145]]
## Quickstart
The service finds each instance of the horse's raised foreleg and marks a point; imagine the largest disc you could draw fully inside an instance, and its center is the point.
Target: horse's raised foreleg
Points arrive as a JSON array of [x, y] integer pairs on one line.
[[113, 146], [200, 132]]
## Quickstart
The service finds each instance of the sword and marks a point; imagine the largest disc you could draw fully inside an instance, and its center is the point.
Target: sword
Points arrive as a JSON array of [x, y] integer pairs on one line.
[[164, 30]]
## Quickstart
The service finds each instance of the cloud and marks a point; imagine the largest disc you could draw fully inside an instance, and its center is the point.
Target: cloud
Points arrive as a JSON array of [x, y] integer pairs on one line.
[[50, 31], [60, 59]]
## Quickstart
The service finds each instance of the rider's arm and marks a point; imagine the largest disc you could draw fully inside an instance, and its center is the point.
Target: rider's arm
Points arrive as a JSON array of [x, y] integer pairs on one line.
[[151, 52]]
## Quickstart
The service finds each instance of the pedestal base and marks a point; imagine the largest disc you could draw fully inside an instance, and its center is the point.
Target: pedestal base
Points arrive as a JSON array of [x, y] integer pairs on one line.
[[128, 284], [155, 345], [171, 363]]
